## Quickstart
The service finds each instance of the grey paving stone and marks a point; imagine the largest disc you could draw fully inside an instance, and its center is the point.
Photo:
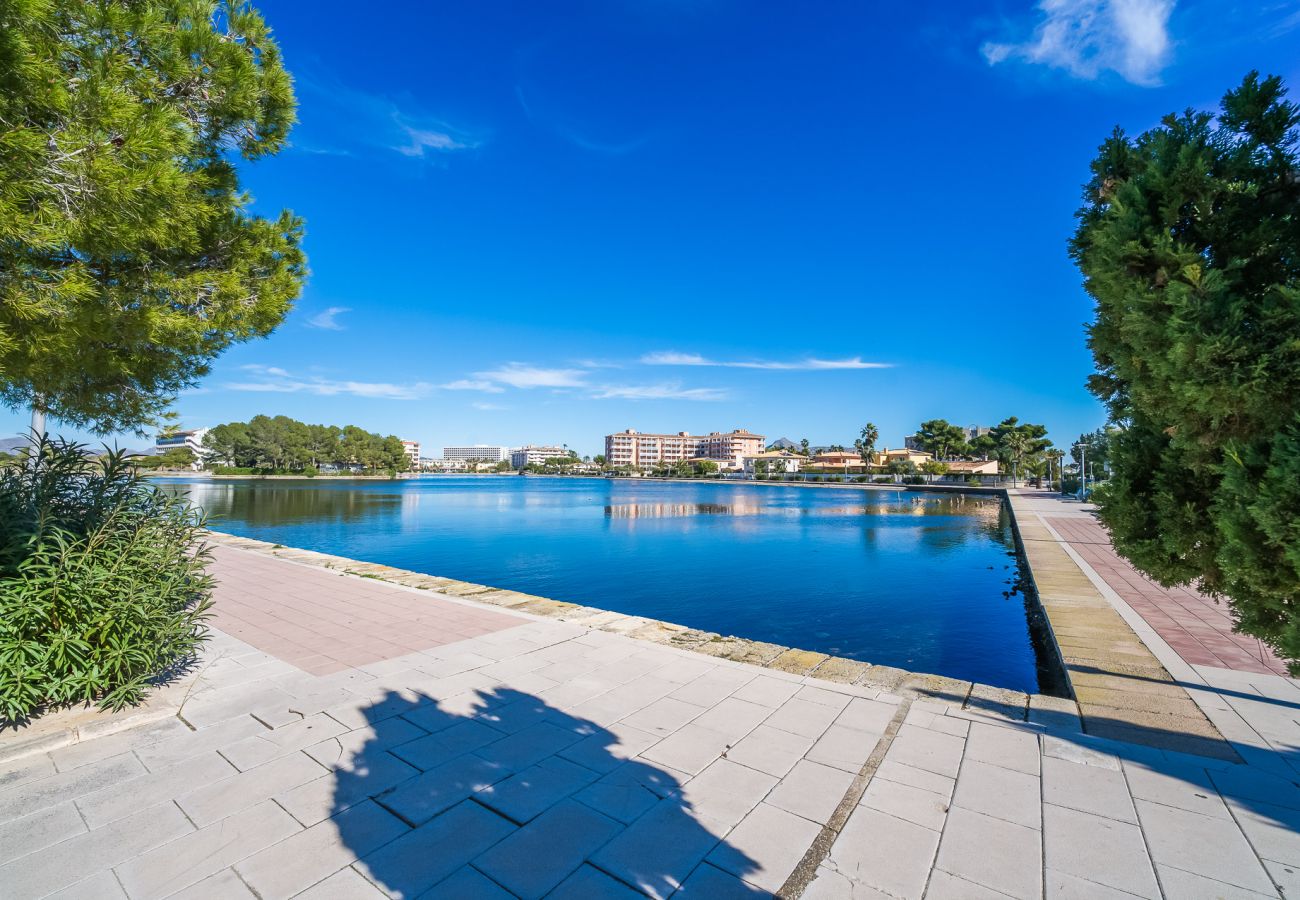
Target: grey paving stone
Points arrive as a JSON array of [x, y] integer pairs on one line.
[[261, 748], [664, 716], [690, 749], [371, 776], [100, 886], [867, 715], [1002, 793], [527, 795], [712, 883], [623, 795], [1185, 788], [1061, 886], [315, 853], [918, 778], [345, 884], [25, 769], [733, 717], [946, 886], [884, 853], [189, 859], [89, 751], [803, 717], [530, 746], [1273, 830], [1241, 783], [340, 749], [833, 699], [224, 885], [765, 847], [921, 807], [169, 752], [1076, 750], [446, 744], [1097, 849], [68, 862], [770, 750], [540, 855], [225, 797], [928, 750], [767, 691], [991, 852], [1009, 748], [37, 830], [712, 687], [726, 791], [23, 799], [811, 790], [124, 798], [832, 885], [1091, 789], [1206, 846], [467, 883], [657, 851], [606, 752], [420, 799], [843, 748], [589, 883], [1187, 886], [1286, 877], [421, 858]]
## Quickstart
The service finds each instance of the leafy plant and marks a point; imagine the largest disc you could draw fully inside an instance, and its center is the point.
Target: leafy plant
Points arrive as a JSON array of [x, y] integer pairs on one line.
[[102, 582]]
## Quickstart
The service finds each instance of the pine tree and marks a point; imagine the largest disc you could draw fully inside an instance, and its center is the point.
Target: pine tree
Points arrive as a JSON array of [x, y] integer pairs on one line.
[[129, 258], [1188, 242]]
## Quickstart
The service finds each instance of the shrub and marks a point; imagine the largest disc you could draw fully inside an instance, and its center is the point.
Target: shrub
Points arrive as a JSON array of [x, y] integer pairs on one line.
[[914, 479], [102, 583], [882, 479]]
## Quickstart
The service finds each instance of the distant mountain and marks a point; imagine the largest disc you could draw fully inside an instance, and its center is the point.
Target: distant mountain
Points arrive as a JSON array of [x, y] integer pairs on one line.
[[9, 445]]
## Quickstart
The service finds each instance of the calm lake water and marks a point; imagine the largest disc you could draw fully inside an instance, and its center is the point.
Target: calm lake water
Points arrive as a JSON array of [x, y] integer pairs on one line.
[[921, 581]]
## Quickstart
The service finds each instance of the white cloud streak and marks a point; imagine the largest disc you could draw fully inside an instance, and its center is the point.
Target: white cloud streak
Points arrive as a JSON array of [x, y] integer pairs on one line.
[[673, 358], [472, 384], [1089, 37], [521, 375], [272, 379], [666, 391], [329, 319]]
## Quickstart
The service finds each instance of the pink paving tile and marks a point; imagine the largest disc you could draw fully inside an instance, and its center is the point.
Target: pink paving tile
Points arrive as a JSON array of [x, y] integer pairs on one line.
[[1196, 626], [322, 622]]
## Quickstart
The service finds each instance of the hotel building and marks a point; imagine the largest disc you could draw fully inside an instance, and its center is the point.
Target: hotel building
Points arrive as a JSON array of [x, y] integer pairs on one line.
[[531, 455], [481, 452], [412, 449], [183, 440], [632, 448]]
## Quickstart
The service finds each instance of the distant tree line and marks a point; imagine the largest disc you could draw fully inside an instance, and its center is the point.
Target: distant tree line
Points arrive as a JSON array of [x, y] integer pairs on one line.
[[282, 444]]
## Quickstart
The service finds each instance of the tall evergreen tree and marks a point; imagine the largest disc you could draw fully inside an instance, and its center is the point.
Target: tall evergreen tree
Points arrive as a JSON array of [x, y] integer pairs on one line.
[[1189, 243], [129, 258]]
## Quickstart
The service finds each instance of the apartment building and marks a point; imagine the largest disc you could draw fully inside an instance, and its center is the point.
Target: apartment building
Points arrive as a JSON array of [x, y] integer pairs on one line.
[[481, 452], [191, 440], [531, 455], [632, 448], [412, 449]]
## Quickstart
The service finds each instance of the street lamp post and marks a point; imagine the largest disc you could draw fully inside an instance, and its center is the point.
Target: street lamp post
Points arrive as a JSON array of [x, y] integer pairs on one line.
[[1082, 447]]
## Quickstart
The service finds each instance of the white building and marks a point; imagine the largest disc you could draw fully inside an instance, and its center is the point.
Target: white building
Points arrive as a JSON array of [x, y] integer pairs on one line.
[[774, 462], [412, 449], [482, 452], [191, 440], [534, 455]]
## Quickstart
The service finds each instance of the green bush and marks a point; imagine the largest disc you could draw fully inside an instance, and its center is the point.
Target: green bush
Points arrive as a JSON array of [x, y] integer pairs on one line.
[[102, 583], [882, 479]]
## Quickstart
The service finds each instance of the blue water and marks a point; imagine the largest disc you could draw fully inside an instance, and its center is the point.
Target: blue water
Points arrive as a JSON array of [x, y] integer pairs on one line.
[[921, 581]]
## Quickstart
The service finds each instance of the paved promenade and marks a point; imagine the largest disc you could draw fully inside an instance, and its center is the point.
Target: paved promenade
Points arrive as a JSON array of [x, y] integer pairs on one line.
[[349, 737]]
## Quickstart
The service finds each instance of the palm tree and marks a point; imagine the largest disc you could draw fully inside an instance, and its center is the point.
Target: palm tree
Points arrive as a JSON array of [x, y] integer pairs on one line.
[[1016, 446], [866, 443]]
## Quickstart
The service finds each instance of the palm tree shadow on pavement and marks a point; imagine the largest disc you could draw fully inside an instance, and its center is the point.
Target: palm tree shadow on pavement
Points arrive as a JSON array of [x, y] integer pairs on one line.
[[497, 794]]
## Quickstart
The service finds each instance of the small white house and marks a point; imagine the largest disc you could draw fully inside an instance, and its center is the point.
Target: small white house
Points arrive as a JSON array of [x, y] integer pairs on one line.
[[777, 462]]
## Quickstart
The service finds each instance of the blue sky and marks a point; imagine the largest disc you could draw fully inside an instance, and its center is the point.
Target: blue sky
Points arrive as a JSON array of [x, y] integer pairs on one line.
[[544, 222]]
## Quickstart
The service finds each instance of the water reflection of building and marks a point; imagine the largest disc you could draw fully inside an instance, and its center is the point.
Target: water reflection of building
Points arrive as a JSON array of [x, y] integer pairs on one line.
[[679, 510]]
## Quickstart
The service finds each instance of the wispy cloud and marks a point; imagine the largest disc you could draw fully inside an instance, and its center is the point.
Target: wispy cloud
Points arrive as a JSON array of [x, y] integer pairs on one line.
[[272, 379], [1089, 37], [674, 358], [329, 319], [664, 391], [357, 120], [488, 407], [472, 384], [521, 375]]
